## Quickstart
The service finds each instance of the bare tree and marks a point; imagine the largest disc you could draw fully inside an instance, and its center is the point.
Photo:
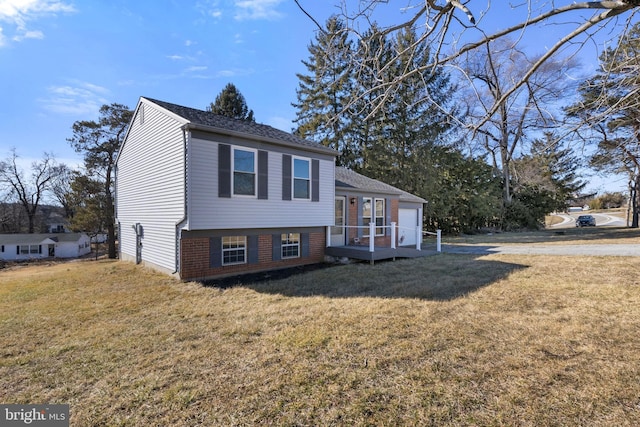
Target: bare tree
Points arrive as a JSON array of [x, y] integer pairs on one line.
[[61, 188], [453, 28], [29, 191], [489, 73]]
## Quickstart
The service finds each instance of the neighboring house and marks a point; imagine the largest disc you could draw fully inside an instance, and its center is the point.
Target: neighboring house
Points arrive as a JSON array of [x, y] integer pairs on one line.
[[15, 247], [200, 195], [58, 228]]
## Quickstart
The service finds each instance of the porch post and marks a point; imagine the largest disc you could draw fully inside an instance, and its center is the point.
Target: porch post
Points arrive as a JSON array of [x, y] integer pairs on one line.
[[419, 238], [372, 236], [439, 240], [393, 235]]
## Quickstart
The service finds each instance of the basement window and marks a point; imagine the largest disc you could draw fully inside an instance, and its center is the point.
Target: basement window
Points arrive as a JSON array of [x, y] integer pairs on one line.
[[234, 250]]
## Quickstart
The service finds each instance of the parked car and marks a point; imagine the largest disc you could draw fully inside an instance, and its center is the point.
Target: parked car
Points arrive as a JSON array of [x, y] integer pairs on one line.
[[586, 221]]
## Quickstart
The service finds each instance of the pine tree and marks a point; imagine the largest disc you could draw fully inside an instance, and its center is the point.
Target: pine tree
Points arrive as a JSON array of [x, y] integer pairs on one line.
[[325, 91], [231, 103]]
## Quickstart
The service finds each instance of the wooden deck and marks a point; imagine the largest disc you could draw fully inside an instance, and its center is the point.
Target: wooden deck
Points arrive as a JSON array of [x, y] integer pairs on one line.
[[362, 252]]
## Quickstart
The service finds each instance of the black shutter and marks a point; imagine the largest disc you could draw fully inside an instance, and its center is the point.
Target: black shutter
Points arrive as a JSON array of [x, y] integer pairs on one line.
[[18, 250], [276, 247], [263, 175], [224, 170], [252, 249], [215, 252], [286, 177], [304, 244], [39, 249], [315, 180]]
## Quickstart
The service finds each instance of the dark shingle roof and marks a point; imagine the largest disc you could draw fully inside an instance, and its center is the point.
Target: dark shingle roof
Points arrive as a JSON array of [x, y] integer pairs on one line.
[[346, 178], [223, 123], [36, 238]]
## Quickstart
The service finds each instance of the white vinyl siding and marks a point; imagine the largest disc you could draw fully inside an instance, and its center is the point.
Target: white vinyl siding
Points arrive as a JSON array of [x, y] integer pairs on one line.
[[150, 186], [209, 211]]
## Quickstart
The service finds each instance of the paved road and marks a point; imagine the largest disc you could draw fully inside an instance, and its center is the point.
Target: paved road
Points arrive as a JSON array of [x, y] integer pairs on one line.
[[569, 220], [538, 249]]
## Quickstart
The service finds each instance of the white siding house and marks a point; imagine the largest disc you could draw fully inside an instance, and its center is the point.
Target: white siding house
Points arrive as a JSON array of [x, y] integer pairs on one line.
[[16, 247], [201, 195]]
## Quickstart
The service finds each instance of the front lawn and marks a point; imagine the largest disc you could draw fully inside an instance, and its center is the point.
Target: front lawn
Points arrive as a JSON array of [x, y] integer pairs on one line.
[[442, 340]]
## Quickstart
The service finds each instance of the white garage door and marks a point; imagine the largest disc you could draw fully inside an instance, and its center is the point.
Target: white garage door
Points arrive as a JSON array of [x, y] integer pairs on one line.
[[407, 223]]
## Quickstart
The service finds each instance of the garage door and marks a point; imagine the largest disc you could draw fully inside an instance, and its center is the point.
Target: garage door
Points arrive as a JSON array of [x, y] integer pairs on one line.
[[407, 223]]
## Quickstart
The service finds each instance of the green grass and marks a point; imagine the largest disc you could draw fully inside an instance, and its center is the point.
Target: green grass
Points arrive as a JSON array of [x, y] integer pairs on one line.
[[442, 340]]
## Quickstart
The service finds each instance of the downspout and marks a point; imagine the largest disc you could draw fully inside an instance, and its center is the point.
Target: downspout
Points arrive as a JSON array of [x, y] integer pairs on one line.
[[185, 216]]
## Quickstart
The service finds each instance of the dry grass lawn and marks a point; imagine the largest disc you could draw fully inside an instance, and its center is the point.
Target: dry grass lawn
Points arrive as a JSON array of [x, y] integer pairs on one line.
[[442, 340], [562, 236]]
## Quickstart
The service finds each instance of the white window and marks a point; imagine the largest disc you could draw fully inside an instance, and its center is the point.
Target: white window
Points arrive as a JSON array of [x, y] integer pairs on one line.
[[290, 245], [244, 171], [373, 211], [29, 249], [234, 250], [301, 178]]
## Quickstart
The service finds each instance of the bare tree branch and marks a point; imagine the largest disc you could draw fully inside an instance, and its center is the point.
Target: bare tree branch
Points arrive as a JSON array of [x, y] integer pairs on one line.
[[442, 28]]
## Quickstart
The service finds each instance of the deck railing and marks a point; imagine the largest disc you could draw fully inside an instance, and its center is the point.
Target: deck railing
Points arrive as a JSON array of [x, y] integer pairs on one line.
[[394, 228]]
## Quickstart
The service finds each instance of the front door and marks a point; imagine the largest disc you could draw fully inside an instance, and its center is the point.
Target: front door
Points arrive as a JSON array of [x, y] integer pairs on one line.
[[338, 232]]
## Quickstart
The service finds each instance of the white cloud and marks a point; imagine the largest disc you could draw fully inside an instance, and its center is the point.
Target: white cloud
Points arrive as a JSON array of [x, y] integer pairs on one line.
[[257, 9], [78, 99], [17, 13], [196, 68]]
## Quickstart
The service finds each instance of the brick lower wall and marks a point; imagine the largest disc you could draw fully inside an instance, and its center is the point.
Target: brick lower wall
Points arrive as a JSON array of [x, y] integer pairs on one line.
[[195, 265]]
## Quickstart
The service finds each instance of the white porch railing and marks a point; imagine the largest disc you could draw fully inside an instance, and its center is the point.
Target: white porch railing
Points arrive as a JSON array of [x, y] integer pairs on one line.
[[394, 229]]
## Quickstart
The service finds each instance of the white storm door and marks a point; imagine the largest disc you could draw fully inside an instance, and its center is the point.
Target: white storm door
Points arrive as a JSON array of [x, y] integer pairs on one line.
[[338, 232], [407, 224]]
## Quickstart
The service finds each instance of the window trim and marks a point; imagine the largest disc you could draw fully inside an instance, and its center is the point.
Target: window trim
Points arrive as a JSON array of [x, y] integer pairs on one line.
[[235, 148], [285, 244], [224, 250], [294, 178], [379, 229]]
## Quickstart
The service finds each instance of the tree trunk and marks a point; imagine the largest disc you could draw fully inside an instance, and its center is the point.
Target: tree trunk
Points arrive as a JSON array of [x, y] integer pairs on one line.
[[633, 198]]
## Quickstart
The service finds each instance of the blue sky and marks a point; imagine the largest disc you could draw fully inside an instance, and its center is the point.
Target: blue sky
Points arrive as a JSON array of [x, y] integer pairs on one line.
[[60, 60]]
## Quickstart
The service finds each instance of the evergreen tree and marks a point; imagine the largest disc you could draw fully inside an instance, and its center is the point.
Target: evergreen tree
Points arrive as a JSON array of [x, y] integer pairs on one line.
[[231, 103], [323, 94], [411, 123], [551, 169]]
